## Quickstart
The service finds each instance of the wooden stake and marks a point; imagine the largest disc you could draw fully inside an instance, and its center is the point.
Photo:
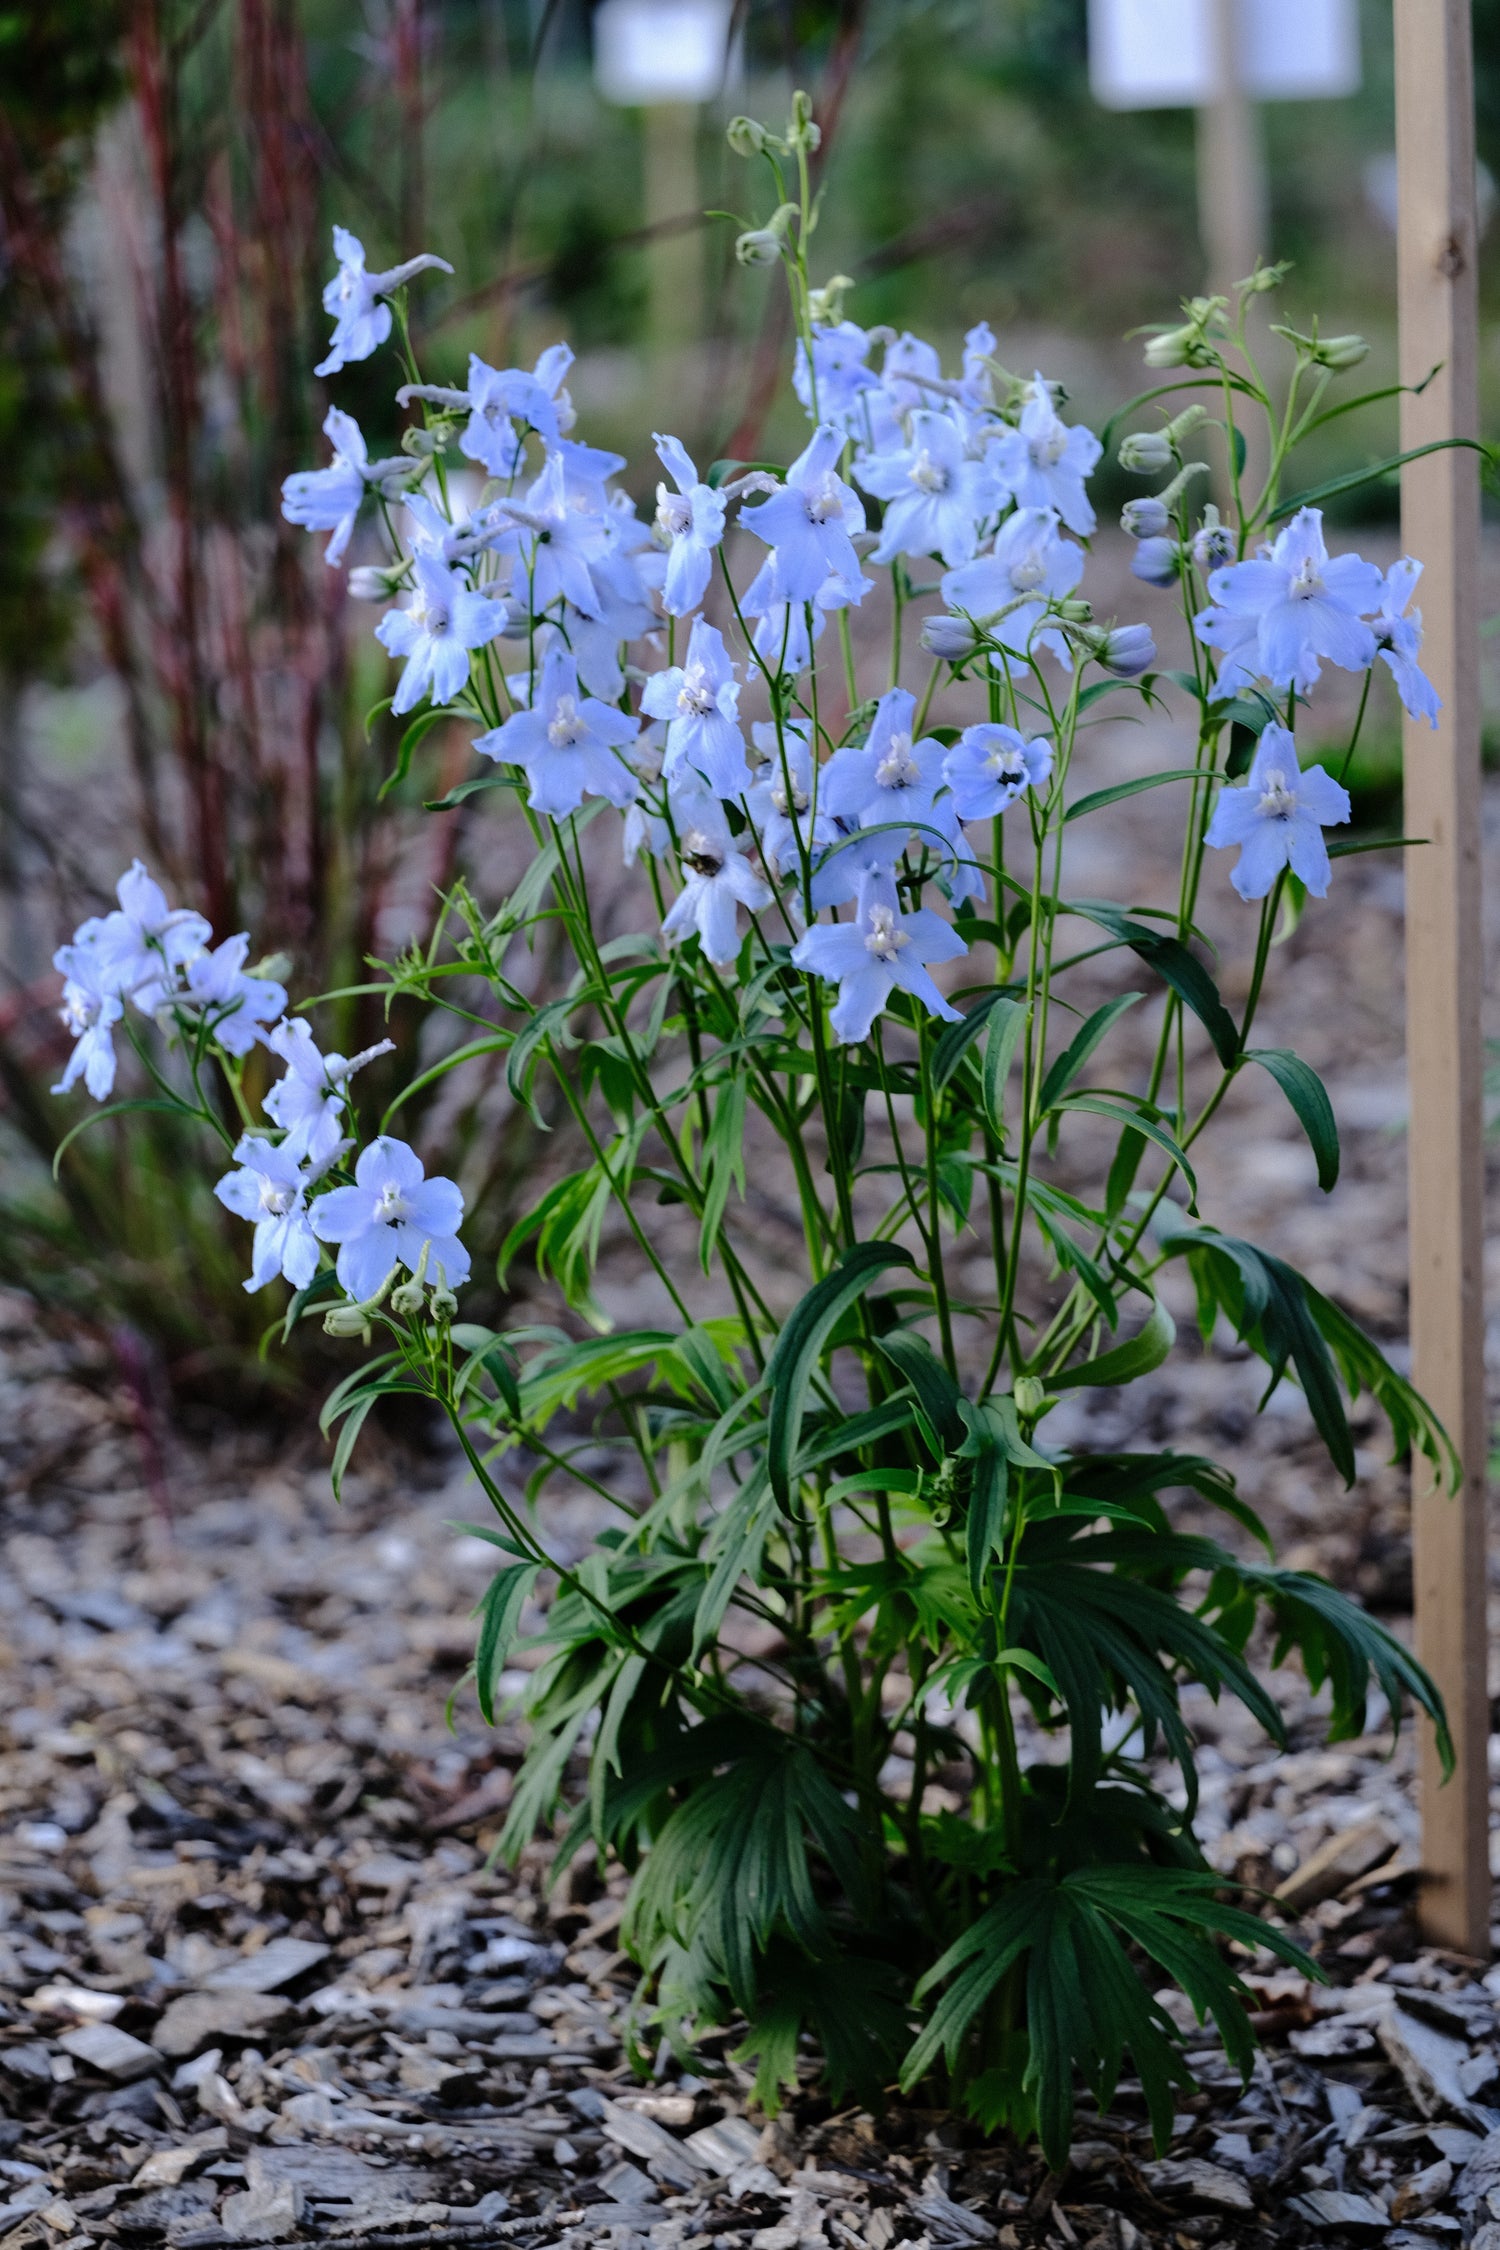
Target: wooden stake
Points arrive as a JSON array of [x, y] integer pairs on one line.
[[1234, 210], [1440, 525]]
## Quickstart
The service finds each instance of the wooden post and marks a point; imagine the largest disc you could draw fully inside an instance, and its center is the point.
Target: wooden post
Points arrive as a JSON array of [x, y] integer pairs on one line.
[[1440, 525], [1233, 208]]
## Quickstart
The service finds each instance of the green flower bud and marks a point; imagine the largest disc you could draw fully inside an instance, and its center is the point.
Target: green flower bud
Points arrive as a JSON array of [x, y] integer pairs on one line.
[[424, 443], [1171, 348], [826, 305], [1145, 453], [275, 968], [746, 137], [1340, 353], [1030, 1396], [803, 133], [347, 1320], [762, 246]]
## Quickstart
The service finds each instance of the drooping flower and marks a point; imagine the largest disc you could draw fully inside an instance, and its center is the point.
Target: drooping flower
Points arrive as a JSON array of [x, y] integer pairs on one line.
[[90, 1010], [691, 522], [699, 700], [1398, 634], [780, 801], [1278, 819], [839, 353], [990, 766], [937, 495], [361, 321], [1156, 562], [236, 1008], [1046, 460], [567, 744], [717, 881], [441, 623], [308, 1102], [1030, 565], [270, 1188], [328, 499], [809, 523], [1292, 604], [1125, 650], [887, 777], [392, 1216], [879, 950]]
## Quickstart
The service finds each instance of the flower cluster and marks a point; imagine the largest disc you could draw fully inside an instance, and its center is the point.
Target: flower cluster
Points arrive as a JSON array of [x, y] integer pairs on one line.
[[160, 963]]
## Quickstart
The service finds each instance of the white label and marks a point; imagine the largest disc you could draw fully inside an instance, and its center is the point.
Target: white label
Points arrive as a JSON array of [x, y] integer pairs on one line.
[[662, 50], [1162, 54]]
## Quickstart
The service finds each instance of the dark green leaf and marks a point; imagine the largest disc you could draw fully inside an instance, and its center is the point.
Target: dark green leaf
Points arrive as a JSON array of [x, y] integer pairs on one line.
[[1354, 479], [1182, 970], [1305, 1090], [790, 1369], [1099, 798], [1138, 1356], [1067, 1065]]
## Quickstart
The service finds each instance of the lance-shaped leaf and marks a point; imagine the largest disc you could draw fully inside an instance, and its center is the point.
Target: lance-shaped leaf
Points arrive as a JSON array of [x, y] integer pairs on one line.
[[1305, 1090], [789, 1371]]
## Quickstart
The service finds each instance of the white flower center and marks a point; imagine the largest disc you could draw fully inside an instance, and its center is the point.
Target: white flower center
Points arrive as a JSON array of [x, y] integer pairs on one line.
[[695, 697], [80, 1011], [798, 799], [1005, 764], [885, 936], [567, 729], [824, 501], [1027, 574], [276, 1198], [928, 475], [1047, 451], [702, 853], [391, 1206], [1307, 585], [674, 512], [898, 769], [431, 614], [1277, 801]]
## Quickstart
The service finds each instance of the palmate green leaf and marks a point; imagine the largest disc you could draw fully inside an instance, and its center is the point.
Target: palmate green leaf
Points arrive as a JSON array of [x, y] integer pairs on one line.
[[1280, 1315], [850, 2003], [1339, 1643], [993, 1443], [1134, 1479], [1305, 1090], [790, 1368], [1087, 2008]]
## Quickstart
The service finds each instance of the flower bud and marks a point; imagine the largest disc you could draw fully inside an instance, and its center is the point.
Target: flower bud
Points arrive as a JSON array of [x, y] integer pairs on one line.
[[424, 443], [444, 1303], [1127, 651], [1145, 453], [1074, 612], [1213, 542], [1171, 348], [367, 583], [1340, 353], [273, 968], [746, 137], [803, 133], [760, 247], [1157, 561], [347, 1320], [825, 306], [1145, 519], [951, 638], [410, 1297], [1263, 279], [1030, 1395]]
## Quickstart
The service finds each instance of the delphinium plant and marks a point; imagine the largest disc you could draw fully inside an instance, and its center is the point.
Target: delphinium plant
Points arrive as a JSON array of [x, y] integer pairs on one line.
[[848, 1555]]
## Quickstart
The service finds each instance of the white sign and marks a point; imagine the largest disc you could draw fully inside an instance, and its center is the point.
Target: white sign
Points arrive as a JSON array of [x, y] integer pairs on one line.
[[1163, 54], [663, 50]]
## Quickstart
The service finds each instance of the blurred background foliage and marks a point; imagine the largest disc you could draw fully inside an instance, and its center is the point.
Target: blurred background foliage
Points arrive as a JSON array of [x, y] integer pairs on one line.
[[179, 674]]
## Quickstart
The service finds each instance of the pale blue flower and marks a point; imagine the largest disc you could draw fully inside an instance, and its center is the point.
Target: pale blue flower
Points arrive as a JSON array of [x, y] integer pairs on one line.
[[881, 949], [717, 881], [500, 399], [1156, 561], [978, 384], [558, 541], [1279, 613], [839, 353], [90, 1010], [780, 802], [691, 521], [911, 374], [567, 744], [887, 777], [809, 523], [1030, 565], [328, 499], [1278, 819], [361, 321], [1150, 518], [141, 949], [990, 766], [236, 1008], [270, 1188], [442, 621], [1126, 650], [308, 1102], [936, 495], [782, 636], [1398, 631], [699, 699], [392, 1216], [1045, 461]]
